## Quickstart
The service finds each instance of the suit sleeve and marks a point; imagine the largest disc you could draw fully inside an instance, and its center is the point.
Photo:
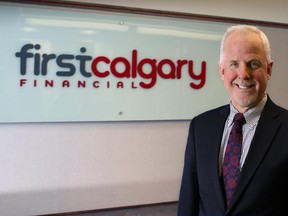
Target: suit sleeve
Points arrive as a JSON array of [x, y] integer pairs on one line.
[[189, 192]]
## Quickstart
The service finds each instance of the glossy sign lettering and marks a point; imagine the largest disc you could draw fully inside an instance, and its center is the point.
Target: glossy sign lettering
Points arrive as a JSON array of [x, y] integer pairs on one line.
[[101, 66]]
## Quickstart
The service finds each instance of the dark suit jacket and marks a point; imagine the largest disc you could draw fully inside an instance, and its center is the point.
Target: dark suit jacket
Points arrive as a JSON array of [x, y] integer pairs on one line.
[[263, 185]]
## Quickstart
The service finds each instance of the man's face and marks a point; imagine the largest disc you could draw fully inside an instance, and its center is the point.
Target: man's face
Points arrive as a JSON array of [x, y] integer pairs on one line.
[[245, 69]]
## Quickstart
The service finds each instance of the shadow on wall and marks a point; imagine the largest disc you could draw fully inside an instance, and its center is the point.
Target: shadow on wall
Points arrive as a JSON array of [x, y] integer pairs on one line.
[[167, 209], [84, 202]]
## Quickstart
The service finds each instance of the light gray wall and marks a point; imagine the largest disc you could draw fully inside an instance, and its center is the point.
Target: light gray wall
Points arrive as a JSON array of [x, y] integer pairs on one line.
[[274, 11], [64, 167]]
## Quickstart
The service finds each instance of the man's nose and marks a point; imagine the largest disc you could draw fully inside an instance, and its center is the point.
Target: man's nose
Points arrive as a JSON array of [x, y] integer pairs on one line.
[[244, 72]]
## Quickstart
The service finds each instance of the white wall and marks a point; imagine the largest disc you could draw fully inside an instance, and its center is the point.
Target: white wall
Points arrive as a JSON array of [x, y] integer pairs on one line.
[[64, 167], [266, 10]]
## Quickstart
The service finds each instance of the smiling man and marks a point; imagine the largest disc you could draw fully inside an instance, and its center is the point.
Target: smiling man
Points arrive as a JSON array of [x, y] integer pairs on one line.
[[245, 66], [236, 159]]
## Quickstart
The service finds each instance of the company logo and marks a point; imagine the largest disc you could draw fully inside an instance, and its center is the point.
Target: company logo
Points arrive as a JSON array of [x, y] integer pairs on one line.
[[99, 67]]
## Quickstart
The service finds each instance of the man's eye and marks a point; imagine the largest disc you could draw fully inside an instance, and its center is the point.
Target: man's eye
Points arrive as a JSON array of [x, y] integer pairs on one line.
[[234, 65], [255, 64]]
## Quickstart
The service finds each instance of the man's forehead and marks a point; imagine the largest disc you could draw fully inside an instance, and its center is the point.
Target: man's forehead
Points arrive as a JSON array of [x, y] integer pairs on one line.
[[244, 36]]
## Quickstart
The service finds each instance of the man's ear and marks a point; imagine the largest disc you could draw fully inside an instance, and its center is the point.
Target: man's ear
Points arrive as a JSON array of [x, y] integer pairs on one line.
[[269, 69], [221, 70]]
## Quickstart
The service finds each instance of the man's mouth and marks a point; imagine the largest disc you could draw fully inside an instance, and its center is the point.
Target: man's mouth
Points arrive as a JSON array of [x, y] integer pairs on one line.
[[246, 86]]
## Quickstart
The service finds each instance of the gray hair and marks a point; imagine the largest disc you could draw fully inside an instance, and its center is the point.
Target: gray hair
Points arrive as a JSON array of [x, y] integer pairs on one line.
[[239, 28]]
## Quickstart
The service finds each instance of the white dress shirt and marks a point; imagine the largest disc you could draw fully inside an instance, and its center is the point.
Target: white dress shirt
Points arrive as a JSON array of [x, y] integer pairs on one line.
[[252, 117]]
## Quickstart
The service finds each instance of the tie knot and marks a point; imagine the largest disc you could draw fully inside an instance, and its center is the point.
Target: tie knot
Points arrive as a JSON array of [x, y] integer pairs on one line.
[[239, 118]]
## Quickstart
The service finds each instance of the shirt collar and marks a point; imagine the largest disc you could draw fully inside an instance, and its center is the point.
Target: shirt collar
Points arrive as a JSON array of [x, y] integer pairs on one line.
[[252, 115]]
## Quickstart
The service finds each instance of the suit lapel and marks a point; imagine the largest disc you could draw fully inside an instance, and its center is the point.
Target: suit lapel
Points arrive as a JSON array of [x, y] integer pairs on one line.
[[216, 137], [264, 134]]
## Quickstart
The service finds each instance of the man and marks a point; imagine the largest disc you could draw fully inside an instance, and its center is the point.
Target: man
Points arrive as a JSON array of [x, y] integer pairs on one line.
[[211, 186]]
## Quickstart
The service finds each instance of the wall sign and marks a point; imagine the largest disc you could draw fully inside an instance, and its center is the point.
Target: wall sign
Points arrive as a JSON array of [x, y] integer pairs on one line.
[[83, 65]]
